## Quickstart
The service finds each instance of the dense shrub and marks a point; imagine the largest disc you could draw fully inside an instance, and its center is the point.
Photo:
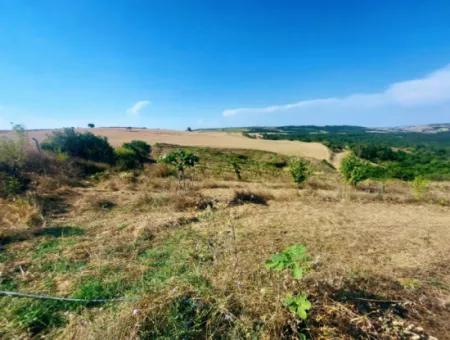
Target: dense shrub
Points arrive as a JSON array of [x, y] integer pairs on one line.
[[83, 145], [127, 159], [141, 149], [132, 155]]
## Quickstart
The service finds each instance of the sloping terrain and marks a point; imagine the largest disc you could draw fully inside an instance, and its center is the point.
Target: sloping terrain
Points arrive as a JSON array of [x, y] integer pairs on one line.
[[118, 136], [189, 258]]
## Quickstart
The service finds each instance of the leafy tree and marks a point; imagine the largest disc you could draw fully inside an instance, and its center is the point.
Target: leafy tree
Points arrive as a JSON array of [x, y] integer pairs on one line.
[[83, 145], [91, 125], [189, 129], [180, 159], [300, 170]]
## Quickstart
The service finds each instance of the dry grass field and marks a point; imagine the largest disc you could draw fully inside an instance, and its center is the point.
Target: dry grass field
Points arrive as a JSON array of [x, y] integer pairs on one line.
[[118, 136], [189, 259]]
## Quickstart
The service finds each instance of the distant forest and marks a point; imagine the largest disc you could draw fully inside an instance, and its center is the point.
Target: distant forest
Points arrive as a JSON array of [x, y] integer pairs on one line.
[[399, 154]]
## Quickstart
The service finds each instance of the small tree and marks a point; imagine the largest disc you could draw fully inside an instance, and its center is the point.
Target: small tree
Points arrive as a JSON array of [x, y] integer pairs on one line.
[[181, 160], [189, 129], [300, 170], [91, 125], [356, 170]]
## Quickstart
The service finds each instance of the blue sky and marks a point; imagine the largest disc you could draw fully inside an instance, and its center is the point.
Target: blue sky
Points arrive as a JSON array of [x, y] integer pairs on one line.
[[173, 64]]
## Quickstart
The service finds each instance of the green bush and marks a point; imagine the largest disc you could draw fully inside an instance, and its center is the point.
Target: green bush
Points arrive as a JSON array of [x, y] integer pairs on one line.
[[356, 170], [300, 170], [127, 159], [141, 149], [132, 155], [82, 145]]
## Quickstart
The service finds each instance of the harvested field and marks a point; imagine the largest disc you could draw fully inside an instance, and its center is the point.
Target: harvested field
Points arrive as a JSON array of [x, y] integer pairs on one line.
[[118, 136]]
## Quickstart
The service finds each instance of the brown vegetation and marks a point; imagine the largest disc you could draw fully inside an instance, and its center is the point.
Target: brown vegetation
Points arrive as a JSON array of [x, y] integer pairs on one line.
[[193, 254]]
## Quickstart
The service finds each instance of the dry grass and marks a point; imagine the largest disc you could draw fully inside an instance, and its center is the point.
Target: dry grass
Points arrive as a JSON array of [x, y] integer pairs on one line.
[[185, 256]]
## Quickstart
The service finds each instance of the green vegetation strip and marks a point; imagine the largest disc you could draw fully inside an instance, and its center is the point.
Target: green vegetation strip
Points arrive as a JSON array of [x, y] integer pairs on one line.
[[56, 298]]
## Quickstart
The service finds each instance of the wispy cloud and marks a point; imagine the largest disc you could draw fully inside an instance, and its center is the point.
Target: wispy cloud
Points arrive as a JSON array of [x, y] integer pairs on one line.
[[137, 107], [433, 90]]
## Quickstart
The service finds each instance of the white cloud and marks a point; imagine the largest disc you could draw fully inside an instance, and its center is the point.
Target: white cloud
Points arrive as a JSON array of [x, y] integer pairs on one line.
[[430, 91], [137, 107]]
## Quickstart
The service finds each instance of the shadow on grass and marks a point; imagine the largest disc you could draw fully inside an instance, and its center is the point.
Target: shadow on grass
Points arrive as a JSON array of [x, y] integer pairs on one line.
[[55, 231]]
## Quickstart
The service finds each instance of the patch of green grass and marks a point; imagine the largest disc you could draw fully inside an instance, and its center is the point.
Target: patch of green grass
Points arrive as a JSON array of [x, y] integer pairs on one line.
[[46, 247], [174, 260], [8, 283], [61, 265], [35, 316], [51, 246], [93, 288]]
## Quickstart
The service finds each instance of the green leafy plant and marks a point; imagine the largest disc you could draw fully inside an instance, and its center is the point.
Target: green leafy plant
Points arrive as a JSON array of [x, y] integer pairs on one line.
[[298, 304], [180, 159], [293, 258], [300, 170]]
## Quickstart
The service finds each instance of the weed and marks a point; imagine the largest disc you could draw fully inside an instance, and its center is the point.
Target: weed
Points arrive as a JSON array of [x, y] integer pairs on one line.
[[293, 258], [298, 304]]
